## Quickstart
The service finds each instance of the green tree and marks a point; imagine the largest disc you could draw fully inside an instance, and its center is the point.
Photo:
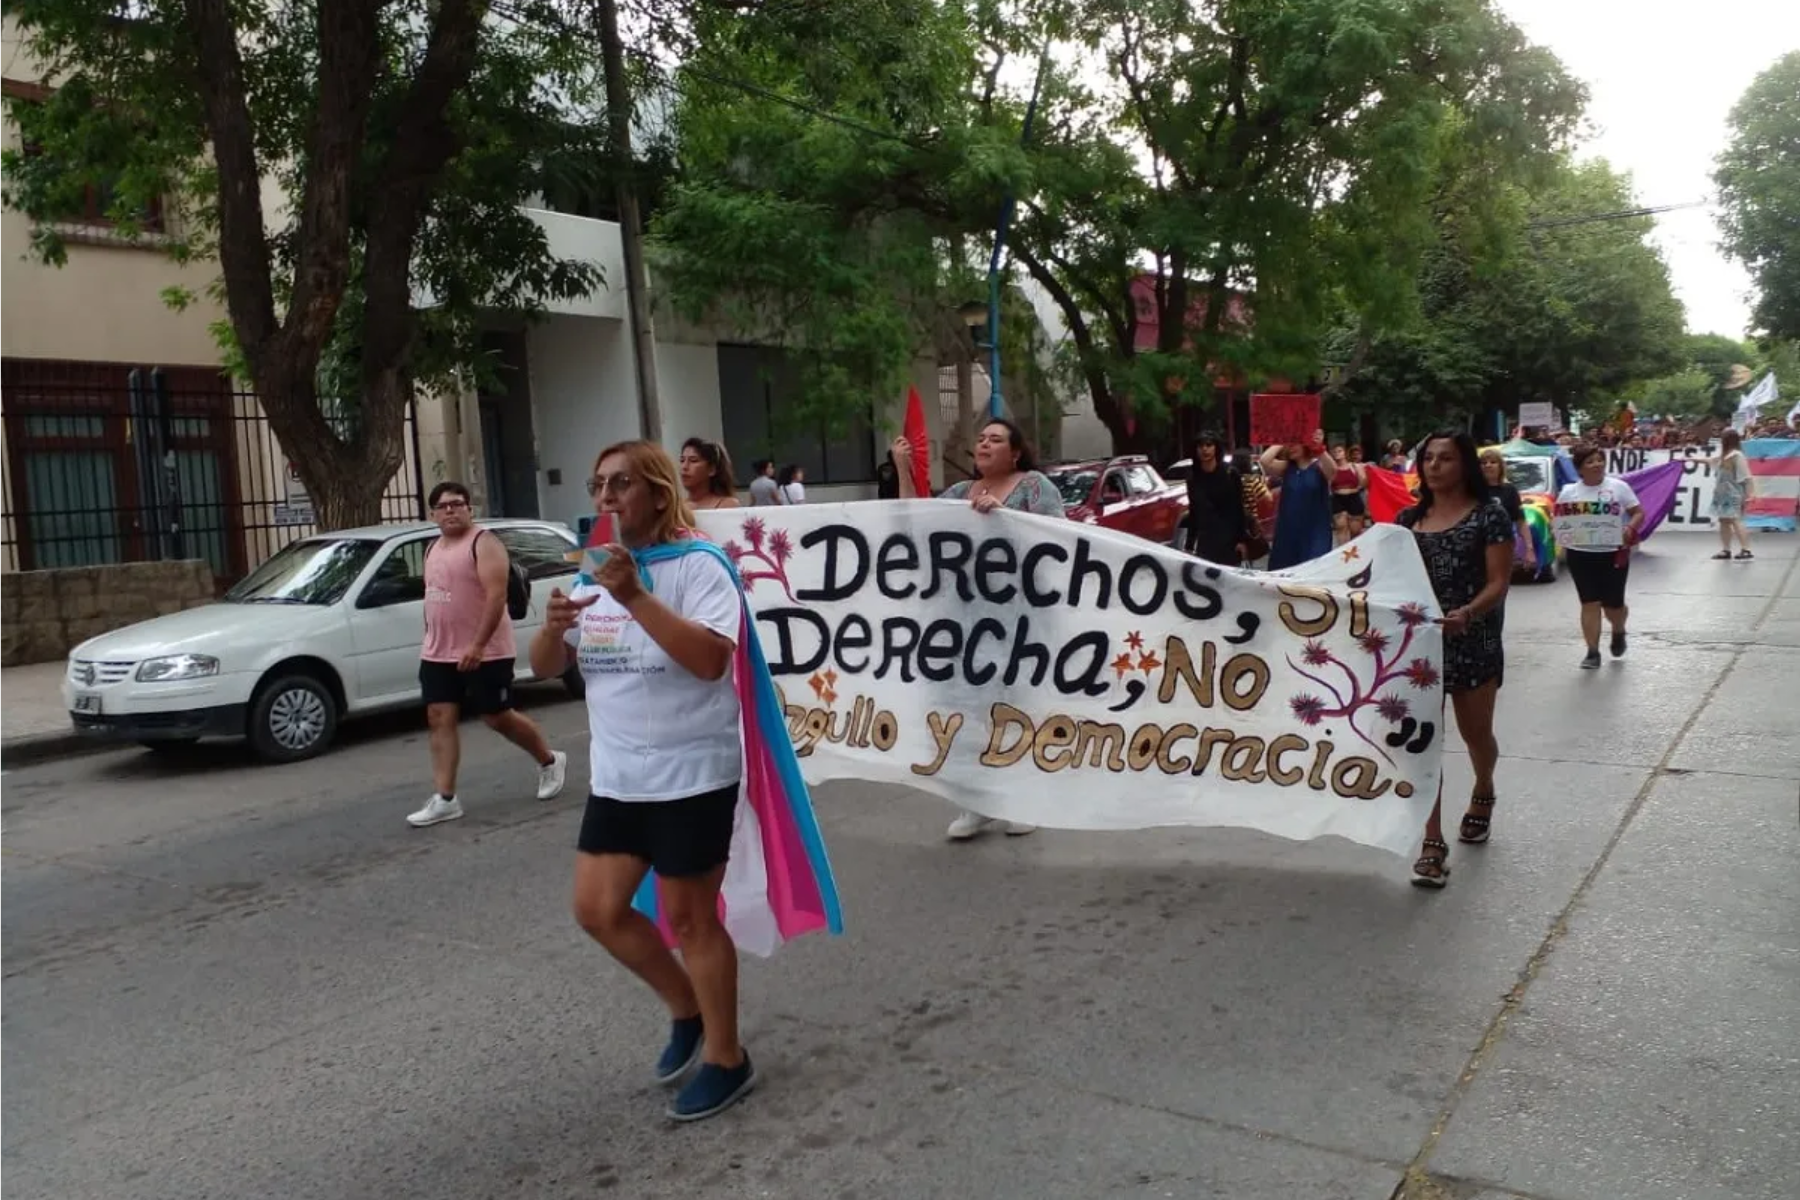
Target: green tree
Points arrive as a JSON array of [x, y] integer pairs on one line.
[[404, 137], [1685, 394], [1719, 357], [1539, 303], [1758, 176], [831, 164], [1290, 151]]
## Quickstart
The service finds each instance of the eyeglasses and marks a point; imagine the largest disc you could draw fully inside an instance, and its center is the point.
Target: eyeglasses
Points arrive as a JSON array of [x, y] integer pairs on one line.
[[449, 505], [617, 484]]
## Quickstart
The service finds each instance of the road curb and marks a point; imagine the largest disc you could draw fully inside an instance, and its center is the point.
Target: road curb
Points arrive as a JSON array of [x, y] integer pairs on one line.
[[36, 748]]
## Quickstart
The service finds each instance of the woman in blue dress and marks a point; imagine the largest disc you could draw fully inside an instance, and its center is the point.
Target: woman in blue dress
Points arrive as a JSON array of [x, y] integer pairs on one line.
[[1303, 508]]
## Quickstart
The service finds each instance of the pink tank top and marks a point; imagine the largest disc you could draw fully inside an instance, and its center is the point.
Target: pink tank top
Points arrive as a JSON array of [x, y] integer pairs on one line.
[[454, 599]]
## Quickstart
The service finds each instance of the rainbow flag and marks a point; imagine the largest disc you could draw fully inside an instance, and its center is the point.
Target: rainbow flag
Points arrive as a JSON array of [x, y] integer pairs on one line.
[[778, 883]]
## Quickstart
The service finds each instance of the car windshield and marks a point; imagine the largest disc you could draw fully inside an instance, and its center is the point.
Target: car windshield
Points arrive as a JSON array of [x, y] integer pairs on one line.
[[315, 571], [1075, 486]]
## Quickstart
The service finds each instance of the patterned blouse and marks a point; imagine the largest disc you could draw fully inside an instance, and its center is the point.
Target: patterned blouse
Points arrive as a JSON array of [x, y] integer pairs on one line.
[[1035, 493]]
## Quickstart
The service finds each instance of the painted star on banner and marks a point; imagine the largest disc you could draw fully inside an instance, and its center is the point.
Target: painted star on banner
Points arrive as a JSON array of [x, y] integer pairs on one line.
[[1135, 640], [1352, 552], [1122, 664], [1148, 662], [831, 678], [817, 683]]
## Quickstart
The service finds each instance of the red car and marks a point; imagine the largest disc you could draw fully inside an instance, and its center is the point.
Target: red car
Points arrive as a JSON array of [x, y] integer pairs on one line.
[[1124, 493]]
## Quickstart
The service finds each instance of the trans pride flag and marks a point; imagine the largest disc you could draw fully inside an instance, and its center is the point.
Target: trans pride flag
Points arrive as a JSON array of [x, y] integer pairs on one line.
[[778, 884]]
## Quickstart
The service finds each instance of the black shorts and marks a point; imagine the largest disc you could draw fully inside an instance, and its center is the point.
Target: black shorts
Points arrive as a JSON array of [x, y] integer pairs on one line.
[[482, 692], [1597, 579], [1348, 502], [678, 838]]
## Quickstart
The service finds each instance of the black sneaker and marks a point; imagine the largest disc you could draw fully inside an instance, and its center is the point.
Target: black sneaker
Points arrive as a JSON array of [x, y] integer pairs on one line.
[[1618, 643], [1592, 661], [686, 1039], [713, 1090]]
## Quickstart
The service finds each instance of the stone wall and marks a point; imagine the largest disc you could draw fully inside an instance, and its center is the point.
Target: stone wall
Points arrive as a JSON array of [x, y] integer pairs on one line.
[[46, 614]]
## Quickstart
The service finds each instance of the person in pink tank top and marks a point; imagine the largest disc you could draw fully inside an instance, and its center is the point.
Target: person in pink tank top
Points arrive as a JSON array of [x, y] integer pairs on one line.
[[466, 661]]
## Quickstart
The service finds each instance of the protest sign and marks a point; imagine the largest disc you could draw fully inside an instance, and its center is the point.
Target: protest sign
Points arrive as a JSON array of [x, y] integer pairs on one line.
[[1539, 414], [1774, 464], [1283, 420], [1069, 676], [1588, 524]]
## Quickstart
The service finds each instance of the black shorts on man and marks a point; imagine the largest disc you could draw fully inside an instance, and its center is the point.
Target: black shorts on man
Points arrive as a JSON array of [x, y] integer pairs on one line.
[[486, 690]]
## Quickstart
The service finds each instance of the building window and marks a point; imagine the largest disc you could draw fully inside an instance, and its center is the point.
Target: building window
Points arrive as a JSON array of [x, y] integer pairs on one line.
[[757, 386], [94, 206]]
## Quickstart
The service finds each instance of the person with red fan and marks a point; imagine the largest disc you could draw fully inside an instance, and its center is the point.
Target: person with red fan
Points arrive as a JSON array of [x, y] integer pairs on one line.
[[1006, 476]]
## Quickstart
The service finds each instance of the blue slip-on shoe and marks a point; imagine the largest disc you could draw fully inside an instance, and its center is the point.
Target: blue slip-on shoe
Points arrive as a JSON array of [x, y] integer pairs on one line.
[[687, 1037], [713, 1090]]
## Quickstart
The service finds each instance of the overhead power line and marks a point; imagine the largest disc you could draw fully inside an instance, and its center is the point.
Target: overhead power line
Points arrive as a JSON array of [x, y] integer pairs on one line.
[[1621, 215]]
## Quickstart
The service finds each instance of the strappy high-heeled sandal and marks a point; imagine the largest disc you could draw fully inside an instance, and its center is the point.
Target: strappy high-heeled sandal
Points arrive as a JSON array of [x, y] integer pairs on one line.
[[1432, 870], [1475, 825]]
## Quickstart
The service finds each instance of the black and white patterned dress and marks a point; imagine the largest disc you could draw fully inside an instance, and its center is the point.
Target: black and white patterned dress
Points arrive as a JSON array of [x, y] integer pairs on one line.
[[1456, 560]]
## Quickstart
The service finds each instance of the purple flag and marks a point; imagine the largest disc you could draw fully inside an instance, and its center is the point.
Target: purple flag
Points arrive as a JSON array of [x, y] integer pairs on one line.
[[1655, 487]]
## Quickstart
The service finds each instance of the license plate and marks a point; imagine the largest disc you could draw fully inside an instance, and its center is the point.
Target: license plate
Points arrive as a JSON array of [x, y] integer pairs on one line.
[[87, 702]]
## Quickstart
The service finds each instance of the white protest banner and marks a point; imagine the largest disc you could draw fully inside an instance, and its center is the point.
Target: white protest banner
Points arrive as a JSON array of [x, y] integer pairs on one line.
[[1774, 462], [1064, 675]]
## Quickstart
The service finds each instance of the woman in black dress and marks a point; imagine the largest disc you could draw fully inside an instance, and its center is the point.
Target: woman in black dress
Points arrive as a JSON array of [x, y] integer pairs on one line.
[[1216, 526], [1467, 544]]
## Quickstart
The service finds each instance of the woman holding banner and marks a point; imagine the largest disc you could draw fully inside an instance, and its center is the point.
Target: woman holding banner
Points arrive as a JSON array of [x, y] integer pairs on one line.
[[1597, 520], [1467, 544], [1006, 476], [1303, 508]]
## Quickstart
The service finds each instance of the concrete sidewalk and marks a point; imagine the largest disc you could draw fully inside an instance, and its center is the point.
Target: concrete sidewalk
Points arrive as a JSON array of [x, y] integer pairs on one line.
[[34, 726]]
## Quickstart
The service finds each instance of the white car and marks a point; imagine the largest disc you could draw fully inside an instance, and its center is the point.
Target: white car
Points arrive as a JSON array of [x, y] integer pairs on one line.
[[328, 628]]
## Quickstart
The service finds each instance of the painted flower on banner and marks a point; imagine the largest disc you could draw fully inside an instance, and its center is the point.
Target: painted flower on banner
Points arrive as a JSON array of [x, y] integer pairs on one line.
[[764, 556], [1361, 687]]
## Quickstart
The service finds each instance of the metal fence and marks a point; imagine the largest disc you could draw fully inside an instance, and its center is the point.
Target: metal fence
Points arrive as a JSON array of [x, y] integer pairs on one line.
[[111, 463]]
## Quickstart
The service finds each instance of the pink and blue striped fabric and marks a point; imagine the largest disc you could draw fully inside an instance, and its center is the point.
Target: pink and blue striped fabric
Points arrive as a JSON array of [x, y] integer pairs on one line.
[[1775, 465], [778, 882]]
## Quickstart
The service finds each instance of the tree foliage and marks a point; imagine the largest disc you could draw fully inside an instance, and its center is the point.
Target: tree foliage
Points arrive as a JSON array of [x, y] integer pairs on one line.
[[829, 171], [1267, 163], [1758, 177], [1523, 305], [402, 139]]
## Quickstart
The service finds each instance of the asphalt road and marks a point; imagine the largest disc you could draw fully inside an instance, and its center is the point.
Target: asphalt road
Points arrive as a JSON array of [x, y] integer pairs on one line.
[[224, 980]]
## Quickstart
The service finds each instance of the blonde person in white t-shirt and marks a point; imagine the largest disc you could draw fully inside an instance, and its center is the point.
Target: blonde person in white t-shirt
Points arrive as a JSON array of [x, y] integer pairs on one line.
[[666, 758]]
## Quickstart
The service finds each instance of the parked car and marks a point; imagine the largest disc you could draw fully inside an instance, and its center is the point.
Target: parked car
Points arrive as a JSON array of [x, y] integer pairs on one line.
[[1124, 493], [328, 628]]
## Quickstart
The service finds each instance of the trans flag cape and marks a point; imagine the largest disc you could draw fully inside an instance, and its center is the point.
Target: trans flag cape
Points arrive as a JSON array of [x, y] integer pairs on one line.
[[778, 884]]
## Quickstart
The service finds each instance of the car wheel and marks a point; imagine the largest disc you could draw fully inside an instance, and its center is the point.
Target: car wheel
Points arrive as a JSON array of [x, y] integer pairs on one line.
[[575, 682], [292, 717]]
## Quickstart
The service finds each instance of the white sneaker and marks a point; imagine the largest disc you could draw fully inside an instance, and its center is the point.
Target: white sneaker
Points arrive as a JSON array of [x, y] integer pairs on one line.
[[552, 776], [436, 810], [969, 825], [1014, 829]]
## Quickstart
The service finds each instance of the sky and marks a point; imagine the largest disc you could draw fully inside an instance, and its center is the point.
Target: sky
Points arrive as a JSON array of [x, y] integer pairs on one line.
[[1660, 91]]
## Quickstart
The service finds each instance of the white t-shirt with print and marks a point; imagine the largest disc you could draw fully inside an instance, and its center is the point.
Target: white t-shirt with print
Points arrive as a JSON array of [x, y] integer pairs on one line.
[[658, 731], [1611, 492]]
